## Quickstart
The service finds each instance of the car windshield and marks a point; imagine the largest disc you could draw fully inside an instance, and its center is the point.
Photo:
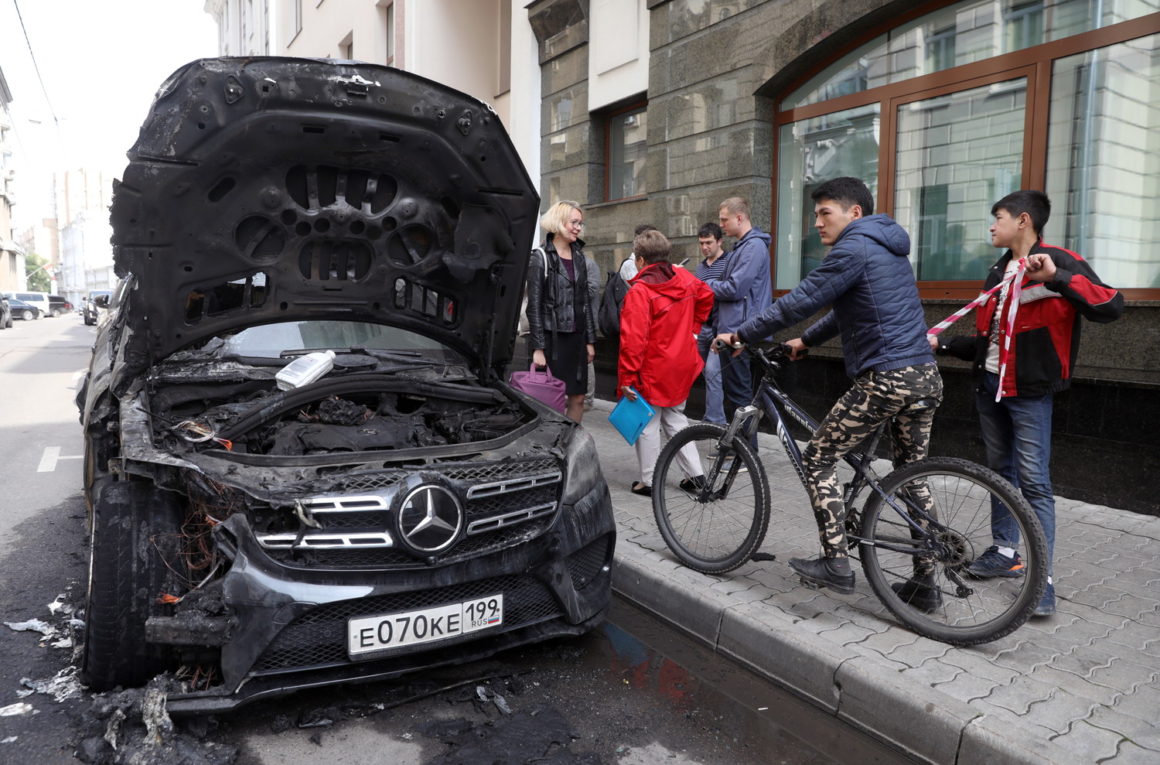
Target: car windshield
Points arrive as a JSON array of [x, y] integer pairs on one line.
[[291, 337]]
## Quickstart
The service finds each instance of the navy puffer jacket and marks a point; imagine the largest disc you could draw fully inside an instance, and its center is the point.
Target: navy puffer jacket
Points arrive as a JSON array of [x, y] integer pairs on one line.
[[867, 280]]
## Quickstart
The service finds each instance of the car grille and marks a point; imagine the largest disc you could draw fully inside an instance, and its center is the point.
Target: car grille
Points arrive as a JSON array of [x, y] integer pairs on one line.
[[506, 503], [319, 637]]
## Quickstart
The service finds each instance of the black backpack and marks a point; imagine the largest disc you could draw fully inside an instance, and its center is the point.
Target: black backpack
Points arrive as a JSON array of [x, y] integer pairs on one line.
[[608, 320]]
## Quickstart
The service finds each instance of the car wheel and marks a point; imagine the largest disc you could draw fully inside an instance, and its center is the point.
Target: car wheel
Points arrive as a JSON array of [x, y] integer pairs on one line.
[[8, 324], [27, 315], [56, 312], [135, 532]]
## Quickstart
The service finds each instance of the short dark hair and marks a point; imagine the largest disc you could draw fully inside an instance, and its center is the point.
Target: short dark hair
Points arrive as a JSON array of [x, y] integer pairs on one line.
[[643, 228], [652, 246], [1034, 203], [847, 192], [710, 229]]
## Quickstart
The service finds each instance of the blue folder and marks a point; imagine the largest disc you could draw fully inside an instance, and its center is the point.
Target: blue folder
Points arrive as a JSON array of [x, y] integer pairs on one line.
[[630, 417]]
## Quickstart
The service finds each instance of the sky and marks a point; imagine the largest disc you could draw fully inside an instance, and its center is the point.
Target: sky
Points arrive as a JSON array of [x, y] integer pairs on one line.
[[101, 61]]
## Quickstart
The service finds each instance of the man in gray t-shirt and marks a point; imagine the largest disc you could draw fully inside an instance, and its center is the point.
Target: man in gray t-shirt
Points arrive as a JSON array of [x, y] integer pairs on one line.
[[712, 267]]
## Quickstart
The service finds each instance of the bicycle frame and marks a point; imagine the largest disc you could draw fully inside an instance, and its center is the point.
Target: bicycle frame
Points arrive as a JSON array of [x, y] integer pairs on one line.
[[769, 400]]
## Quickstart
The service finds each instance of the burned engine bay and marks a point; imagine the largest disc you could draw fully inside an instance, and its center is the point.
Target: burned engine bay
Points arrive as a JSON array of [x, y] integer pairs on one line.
[[362, 406]]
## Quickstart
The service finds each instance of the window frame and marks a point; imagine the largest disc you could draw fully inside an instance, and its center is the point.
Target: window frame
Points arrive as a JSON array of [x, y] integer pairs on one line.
[[1034, 63]]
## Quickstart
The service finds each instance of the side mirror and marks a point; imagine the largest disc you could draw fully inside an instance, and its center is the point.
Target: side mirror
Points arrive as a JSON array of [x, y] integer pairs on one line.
[[101, 301]]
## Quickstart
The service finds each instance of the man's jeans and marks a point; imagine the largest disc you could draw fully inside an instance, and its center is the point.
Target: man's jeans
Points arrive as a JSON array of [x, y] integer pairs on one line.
[[1017, 434], [737, 382], [714, 392]]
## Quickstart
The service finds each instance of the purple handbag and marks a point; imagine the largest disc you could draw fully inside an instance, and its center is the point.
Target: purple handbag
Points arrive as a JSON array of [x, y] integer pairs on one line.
[[542, 386]]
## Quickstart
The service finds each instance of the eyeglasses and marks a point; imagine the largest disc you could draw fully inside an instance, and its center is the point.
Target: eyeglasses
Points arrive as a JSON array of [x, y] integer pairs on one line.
[[576, 224]]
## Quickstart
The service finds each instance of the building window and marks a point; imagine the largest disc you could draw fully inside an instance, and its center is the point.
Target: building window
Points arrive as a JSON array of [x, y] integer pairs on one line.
[[955, 155], [940, 50], [296, 16], [1103, 159], [627, 147], [1023, 25], [1052, 94]]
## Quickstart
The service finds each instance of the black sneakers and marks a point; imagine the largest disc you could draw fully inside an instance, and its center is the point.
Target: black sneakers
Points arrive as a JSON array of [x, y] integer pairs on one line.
[[693, 486], [825, 572]]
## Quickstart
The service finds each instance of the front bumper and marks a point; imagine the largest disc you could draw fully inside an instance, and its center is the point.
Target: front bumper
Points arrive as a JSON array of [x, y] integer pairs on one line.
[[288, 629]]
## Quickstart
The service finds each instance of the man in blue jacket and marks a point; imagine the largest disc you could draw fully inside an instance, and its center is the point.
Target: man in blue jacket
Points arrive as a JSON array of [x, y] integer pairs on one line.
[[743, 290], [867, 280]]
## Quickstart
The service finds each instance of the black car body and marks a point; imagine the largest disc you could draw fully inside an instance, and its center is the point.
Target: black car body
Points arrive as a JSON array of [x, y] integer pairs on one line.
[[22, 310], [409, 508], [91, 306], [58, 306], [5, 312]]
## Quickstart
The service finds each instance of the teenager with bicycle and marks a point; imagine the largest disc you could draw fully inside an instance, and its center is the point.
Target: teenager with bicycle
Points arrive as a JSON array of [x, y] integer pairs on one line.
[[867, 280], [1057, 288]]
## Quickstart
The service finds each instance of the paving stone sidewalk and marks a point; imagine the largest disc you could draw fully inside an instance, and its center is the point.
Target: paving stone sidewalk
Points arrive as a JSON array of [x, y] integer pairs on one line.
[[1082, 686]]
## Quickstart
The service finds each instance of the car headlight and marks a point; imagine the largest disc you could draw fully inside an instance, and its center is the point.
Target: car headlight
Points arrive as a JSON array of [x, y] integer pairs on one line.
[[583, 467]]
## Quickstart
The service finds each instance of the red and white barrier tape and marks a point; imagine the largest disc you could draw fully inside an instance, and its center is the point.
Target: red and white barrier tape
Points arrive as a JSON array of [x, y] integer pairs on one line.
[[1015, 276]]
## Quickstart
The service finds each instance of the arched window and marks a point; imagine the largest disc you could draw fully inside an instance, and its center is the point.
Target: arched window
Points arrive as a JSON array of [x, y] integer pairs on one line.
[[955, 107]]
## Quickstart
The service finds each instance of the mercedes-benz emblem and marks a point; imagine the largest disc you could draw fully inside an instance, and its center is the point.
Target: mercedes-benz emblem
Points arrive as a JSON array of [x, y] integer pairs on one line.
[[430, 519]]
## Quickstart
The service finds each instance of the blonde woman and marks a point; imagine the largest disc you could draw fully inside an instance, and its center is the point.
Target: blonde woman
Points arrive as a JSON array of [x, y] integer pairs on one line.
[[562, 328]]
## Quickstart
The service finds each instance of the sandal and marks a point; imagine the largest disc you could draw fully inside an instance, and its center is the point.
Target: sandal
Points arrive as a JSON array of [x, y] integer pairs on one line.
[[643, 489]]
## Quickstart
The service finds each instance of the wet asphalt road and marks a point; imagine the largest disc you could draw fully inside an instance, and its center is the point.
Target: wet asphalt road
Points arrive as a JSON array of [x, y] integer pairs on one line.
[[633, 692]]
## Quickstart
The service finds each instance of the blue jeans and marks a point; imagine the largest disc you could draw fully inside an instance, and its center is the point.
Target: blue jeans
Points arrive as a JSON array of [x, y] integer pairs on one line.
[[714, 393], [1017, 434], [737, 382]]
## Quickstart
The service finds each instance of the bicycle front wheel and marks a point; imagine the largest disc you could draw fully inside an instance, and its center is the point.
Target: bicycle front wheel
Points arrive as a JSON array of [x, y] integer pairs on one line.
[[715, 525], [921, 575]]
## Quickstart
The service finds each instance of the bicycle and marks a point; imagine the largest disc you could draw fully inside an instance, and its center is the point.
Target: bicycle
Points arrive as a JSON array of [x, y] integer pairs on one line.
[[919, 529]]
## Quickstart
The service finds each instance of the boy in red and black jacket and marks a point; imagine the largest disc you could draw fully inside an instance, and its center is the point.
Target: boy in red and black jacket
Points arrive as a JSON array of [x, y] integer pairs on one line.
[[1019, 376]]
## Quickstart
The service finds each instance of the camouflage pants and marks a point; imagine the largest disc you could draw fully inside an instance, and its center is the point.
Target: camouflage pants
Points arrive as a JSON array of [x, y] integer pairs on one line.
[[902, 396]]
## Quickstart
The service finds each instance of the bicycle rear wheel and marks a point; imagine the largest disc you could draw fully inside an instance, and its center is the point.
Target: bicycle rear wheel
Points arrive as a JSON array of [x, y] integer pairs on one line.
[[718, 526], [922, 577]]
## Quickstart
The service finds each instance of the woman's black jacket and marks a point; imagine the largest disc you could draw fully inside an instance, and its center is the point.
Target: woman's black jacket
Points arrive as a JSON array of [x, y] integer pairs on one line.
[[552, 298]]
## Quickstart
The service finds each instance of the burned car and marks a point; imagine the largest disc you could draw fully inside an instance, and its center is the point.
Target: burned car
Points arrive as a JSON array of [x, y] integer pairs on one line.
[[404, 510]]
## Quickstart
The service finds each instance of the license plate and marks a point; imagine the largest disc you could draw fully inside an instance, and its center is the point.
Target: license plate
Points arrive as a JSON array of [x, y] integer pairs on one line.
[[370, 634]]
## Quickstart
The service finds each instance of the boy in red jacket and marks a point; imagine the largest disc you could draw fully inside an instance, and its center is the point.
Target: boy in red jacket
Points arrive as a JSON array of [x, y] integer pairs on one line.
[[659, 324]]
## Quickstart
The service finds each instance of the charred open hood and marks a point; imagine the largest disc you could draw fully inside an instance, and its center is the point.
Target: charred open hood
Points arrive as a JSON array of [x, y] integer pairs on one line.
[[276, 189]]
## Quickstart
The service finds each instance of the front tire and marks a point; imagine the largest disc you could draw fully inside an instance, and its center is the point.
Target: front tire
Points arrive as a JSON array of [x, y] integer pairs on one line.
[[135, 538], [27, 315], [719, 527], [948, 605]]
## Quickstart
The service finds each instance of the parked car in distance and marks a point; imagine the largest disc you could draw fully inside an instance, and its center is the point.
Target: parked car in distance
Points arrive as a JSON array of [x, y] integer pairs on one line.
[[22, 310], [38, 300], [5, 312], [58, 306], [406, 509], [91, 310]]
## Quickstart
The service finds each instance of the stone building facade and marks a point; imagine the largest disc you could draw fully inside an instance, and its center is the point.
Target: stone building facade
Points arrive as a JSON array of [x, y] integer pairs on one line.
[[942, 108]]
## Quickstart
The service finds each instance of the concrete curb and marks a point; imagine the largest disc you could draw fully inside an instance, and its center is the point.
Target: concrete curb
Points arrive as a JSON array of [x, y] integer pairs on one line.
[[918, 720]]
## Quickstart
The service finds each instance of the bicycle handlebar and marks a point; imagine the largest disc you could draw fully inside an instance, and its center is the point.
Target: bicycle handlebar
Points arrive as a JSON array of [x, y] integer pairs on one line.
[[769, 351]]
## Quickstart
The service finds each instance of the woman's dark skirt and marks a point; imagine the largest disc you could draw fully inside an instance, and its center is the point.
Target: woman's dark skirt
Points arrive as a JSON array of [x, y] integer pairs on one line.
[[567, 355]]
